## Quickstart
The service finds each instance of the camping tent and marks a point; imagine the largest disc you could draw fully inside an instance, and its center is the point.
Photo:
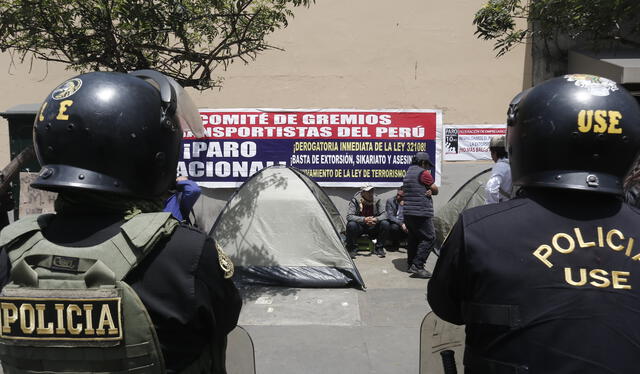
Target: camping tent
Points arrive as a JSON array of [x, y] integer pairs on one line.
[[469, 195], [280, 228]]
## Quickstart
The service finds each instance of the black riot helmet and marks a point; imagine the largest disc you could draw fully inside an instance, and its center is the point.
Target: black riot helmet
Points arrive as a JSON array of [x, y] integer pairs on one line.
[[113, 132], [576, 132]]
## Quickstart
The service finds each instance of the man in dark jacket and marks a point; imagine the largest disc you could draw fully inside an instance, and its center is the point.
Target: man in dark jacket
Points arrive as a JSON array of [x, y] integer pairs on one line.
[[418, 188], [549, 282], [141, 291], [395, 215], [366, 215]]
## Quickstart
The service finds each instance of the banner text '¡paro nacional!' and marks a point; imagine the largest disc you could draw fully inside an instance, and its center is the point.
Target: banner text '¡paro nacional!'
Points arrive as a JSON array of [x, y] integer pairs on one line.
[[224, 149]]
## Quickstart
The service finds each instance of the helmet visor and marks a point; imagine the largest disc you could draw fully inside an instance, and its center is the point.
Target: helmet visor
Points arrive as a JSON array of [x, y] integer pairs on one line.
[[187, 112], [172, 93]]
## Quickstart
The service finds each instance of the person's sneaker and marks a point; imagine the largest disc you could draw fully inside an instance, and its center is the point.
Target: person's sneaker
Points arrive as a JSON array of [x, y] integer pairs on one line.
[[380, 252], [353, 253], [418, 273], [422, 273]]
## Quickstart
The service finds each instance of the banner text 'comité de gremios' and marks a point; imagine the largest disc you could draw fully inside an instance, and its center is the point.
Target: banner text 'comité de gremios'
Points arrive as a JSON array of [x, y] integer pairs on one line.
[[334, 147]]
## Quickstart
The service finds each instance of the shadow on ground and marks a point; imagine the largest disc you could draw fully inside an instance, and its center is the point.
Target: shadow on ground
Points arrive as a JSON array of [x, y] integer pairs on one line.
[[400, 264], [250, 292]]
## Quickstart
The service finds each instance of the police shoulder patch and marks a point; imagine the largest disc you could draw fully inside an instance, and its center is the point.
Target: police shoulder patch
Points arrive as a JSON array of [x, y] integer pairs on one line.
[[225, 262]]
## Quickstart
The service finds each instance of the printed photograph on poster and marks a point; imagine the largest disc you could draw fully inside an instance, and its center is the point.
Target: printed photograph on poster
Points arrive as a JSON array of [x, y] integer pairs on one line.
[[32, 200], [469, 142], [334, 147]]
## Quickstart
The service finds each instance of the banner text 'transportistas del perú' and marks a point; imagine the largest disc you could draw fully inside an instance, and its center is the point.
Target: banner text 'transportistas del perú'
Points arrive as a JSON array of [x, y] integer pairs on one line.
[[334, 147]]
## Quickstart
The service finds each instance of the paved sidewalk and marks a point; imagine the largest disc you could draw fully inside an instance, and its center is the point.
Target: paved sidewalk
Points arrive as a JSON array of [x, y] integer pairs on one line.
[[340, 330]]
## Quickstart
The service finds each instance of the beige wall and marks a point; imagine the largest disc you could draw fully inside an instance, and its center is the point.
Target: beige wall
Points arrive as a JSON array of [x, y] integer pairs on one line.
[[363, 54], [24, 84]]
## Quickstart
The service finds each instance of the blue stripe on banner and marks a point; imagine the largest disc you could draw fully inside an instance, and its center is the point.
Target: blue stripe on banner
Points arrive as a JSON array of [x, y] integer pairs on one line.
[[329, 162]]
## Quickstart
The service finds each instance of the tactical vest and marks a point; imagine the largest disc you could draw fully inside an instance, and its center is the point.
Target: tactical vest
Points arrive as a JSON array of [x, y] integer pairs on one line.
[[416, 202], [68, 309]]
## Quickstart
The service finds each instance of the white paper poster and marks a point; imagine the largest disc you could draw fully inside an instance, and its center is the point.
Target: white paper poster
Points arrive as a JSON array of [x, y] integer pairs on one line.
[[469, 142]]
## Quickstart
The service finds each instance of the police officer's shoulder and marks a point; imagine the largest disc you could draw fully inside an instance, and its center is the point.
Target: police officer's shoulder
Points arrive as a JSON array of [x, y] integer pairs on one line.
[[179, 253], [199, 241], [191, 228], [195, 234], [634, 207], [490, 211], [632, 196], [190, 233]]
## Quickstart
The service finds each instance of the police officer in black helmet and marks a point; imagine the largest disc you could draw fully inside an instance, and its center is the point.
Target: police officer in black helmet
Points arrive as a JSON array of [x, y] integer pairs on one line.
[[549, 282], [110, 283]]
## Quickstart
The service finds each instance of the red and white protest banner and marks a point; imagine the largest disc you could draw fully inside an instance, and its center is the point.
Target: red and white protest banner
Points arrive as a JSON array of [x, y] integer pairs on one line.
[[335, 147]]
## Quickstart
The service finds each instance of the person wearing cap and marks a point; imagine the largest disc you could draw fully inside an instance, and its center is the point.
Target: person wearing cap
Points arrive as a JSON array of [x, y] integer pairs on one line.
[[418, 213], [366, 215], [498, 187]]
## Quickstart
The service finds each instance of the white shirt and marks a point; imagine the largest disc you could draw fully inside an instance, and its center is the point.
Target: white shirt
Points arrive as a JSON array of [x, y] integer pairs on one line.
[[498, 187]]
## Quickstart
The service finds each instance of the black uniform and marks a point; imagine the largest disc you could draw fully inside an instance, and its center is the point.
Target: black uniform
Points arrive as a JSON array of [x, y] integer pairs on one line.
[[137, 120], [180, 283], [548, 282]]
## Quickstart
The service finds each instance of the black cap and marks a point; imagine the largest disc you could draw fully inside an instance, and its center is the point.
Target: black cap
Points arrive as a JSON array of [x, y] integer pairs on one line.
[[423, 156]]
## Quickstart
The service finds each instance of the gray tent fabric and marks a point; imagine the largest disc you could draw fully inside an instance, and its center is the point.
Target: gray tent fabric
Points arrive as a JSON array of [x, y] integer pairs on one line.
[[281, 229], [471, 194]]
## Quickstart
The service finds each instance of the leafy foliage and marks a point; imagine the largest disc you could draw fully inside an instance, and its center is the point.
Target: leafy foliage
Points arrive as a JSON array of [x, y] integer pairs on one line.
[[594, 21], [185, 39]]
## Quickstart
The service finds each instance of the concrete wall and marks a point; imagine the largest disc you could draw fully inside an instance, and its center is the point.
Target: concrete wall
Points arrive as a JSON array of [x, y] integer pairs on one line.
[[361, 54], [379, 54]]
